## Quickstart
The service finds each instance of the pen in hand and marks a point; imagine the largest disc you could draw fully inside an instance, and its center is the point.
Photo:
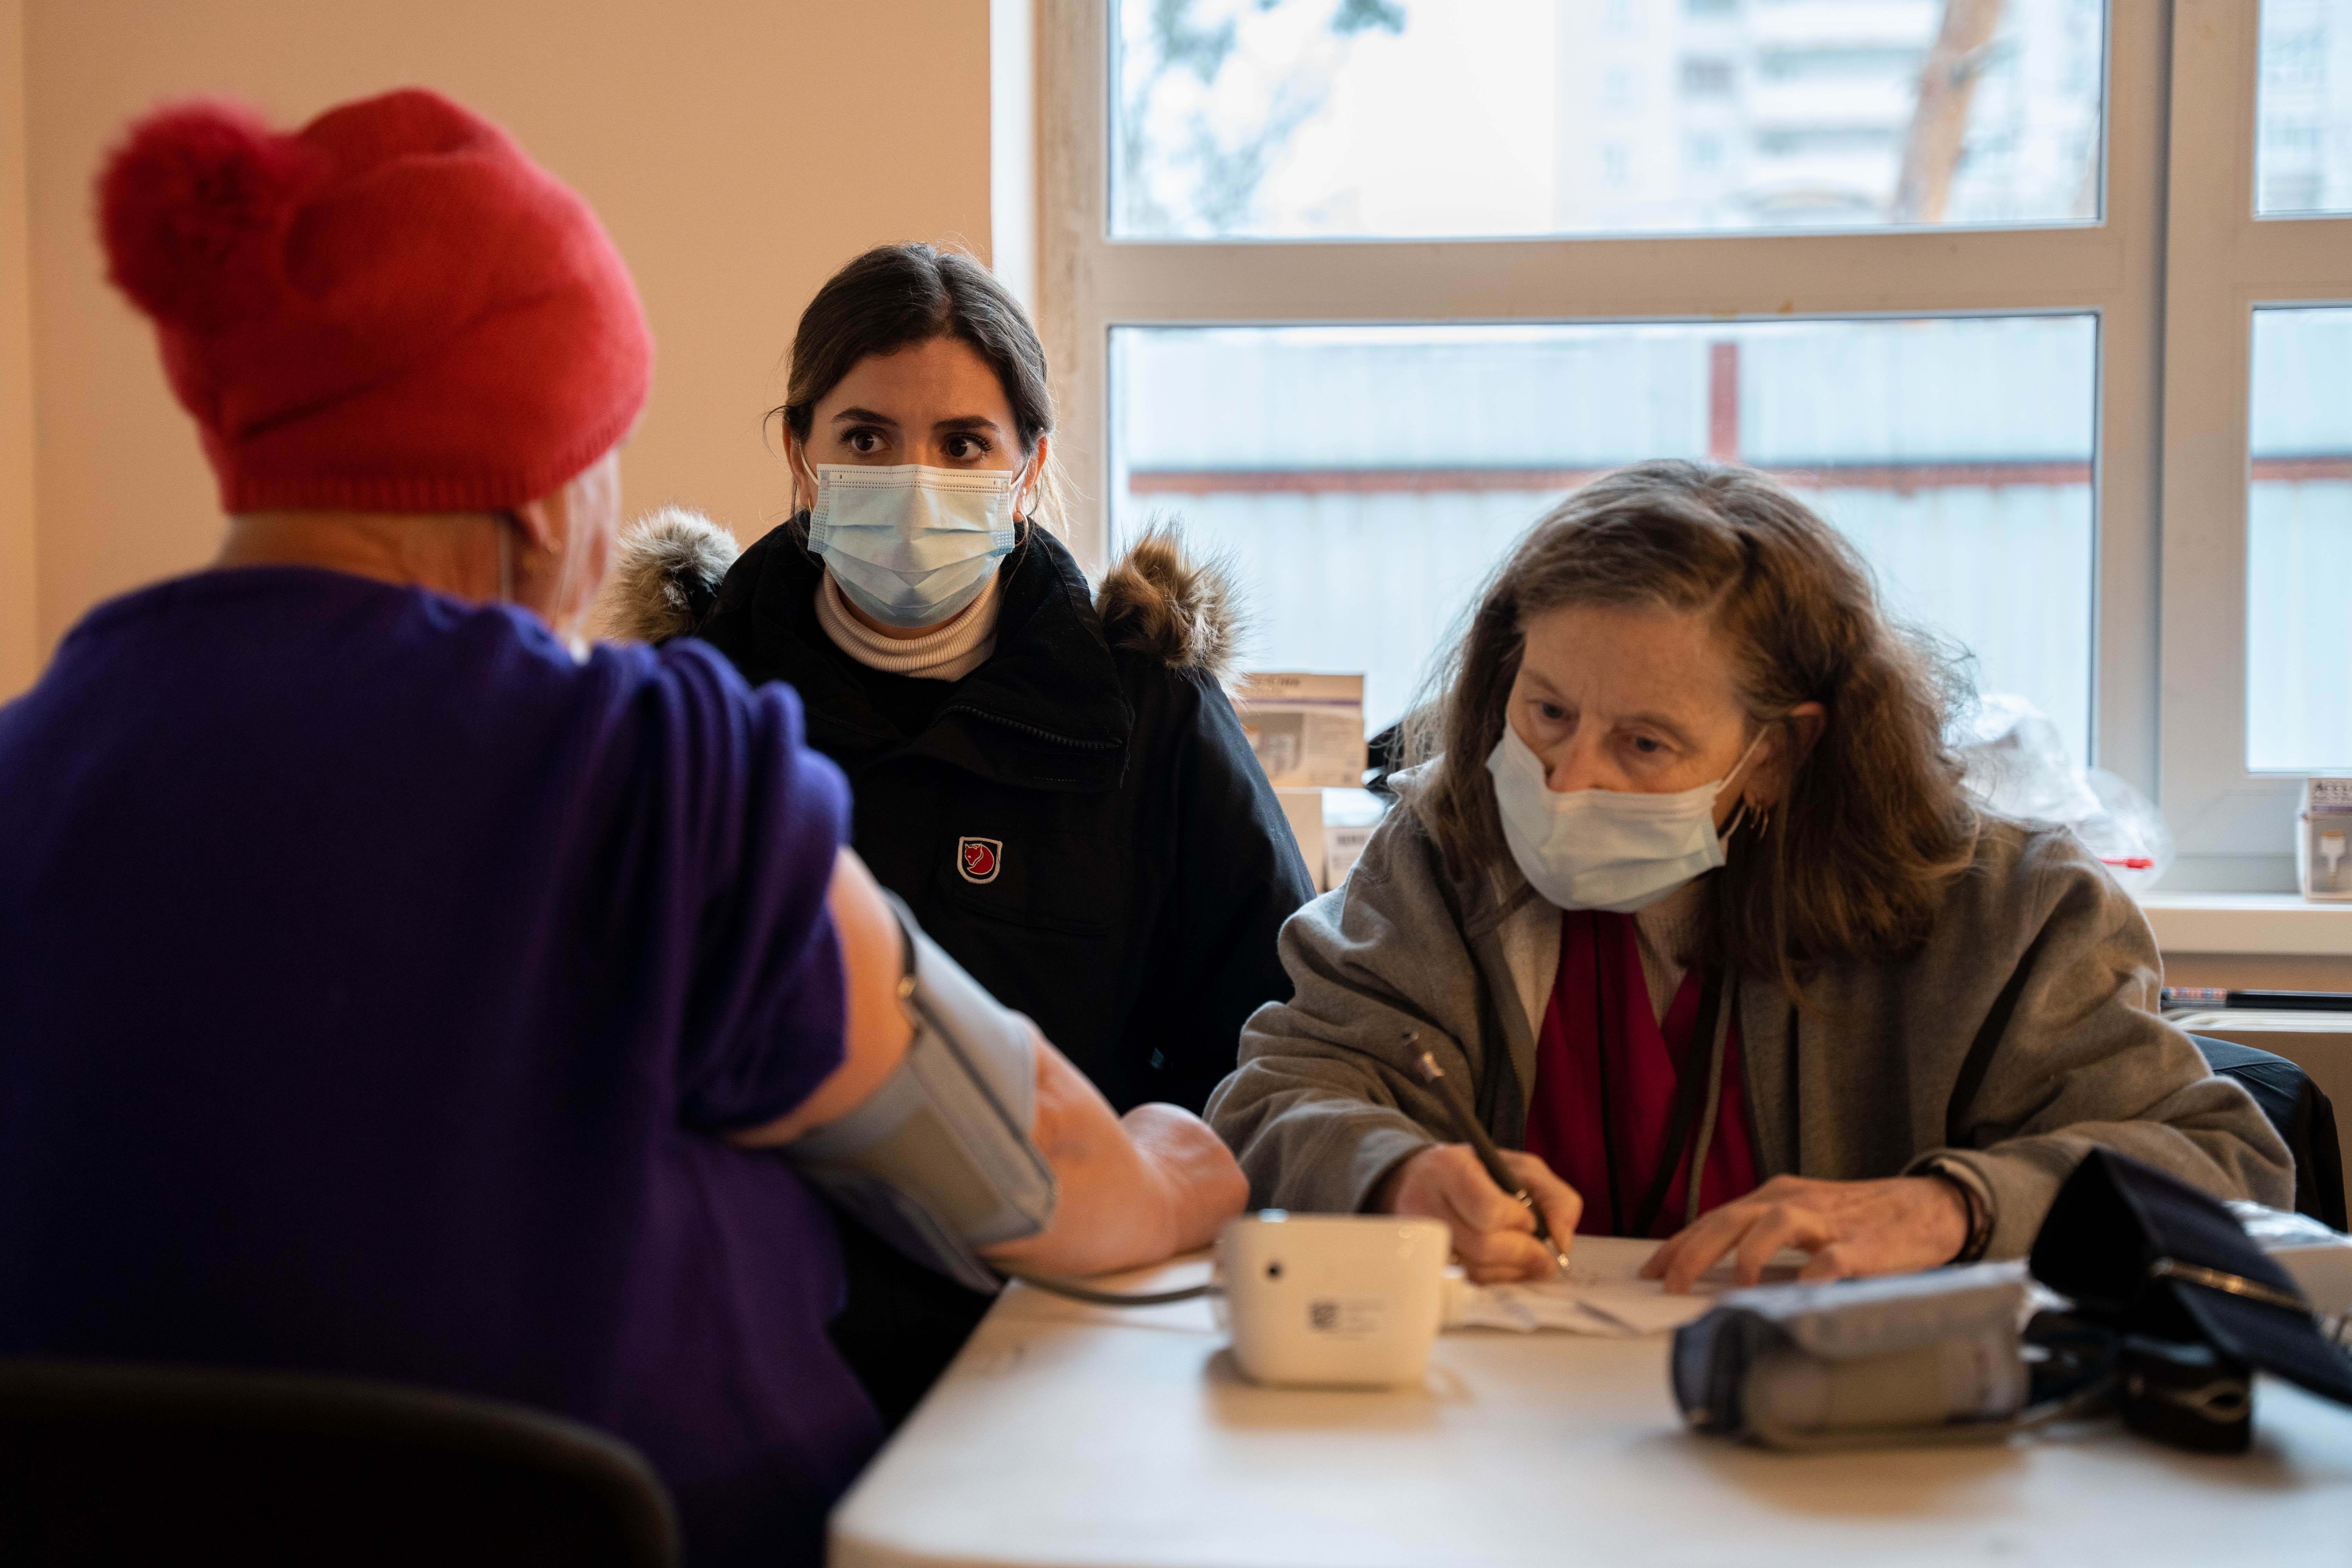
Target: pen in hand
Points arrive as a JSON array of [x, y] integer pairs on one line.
[[1467, 1129]]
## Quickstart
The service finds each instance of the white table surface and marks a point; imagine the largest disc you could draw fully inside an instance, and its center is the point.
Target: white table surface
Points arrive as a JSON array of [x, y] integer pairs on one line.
[[1069, 1435]]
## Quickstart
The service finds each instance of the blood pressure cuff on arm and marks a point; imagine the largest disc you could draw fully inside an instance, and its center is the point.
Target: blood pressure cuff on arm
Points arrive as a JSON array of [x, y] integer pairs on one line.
[[941, 1161]]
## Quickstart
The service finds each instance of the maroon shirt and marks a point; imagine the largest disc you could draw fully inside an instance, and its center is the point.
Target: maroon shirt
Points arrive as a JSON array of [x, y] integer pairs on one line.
[[1606, 1076]]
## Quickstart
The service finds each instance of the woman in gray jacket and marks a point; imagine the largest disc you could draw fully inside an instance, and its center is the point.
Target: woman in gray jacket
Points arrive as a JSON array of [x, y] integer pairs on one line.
[[1684, 896]]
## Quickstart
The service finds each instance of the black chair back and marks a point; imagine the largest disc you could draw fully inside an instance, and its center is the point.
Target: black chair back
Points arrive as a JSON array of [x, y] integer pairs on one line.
[[127, 1463], [2302, 1116]]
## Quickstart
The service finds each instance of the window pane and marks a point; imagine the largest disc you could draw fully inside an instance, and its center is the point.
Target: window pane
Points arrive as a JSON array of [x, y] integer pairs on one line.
[[1327, 119], [1363, 480], [2299, 544], [2303, 157]]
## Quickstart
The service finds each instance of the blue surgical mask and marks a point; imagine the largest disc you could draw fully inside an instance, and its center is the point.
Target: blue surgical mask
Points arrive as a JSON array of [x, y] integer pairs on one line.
[[1605, 849], [910, 545]]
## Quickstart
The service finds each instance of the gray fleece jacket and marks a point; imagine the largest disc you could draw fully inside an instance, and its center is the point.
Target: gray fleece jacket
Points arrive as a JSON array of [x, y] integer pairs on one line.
[[1873, 1079]]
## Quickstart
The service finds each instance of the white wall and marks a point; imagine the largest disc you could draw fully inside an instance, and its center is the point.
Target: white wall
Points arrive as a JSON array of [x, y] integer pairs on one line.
[[737, 150]]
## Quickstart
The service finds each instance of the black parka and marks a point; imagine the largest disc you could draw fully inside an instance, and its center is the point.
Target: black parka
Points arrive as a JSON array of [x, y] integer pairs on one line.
[[1080, 824]]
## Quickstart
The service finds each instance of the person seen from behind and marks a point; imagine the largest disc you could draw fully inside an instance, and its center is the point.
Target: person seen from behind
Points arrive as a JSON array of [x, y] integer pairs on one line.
[[393, 985]]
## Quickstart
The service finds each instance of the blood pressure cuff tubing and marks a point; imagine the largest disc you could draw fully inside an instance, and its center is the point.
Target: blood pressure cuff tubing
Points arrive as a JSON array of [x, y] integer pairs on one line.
[[941, 1161]]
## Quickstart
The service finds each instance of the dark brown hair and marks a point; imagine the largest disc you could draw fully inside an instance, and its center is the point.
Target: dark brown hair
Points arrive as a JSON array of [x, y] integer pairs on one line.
[[1873, 821], [897, 296]]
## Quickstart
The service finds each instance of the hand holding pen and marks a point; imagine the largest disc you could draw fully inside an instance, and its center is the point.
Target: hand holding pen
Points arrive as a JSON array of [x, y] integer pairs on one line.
[[1504, 1207]]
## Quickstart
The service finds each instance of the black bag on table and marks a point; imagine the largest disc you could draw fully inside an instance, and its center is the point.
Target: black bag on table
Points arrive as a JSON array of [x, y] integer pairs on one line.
[[2196, 1307]]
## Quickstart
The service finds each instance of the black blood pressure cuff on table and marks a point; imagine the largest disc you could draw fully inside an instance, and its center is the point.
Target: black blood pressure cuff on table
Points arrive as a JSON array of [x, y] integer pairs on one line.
[[2173, 1310]]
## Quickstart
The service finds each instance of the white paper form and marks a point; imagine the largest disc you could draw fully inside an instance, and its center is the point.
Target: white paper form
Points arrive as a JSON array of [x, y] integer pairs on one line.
[[1602, 1292]]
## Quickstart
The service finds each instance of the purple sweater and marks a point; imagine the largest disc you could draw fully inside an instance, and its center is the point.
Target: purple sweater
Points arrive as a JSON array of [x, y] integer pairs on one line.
[[376, 985]]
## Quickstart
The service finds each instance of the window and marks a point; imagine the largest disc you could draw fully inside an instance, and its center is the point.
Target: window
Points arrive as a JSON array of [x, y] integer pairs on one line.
[[1835, 62], [1380, 472], [1369, 118], [1360, 287], [2299, 544], [2256, 656], [1864, 143], [1707, 77], [2304, 133]]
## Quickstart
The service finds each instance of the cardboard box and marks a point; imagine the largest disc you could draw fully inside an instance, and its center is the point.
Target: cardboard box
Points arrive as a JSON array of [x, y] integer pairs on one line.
[[1306, 730]]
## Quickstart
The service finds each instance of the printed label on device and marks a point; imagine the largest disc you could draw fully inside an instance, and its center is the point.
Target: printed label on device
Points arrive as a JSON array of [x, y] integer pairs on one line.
[[1348, 1318]]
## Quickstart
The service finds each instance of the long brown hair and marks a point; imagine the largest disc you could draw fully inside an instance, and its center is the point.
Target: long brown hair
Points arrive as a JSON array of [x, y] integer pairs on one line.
[[897, 296], [1873, 821]]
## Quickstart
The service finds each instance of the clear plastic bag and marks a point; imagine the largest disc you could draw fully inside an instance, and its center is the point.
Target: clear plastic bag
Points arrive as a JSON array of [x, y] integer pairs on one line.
[[2016, 763]]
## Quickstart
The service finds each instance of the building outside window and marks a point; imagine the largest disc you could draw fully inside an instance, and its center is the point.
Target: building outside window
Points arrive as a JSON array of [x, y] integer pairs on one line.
[[1704, 78]]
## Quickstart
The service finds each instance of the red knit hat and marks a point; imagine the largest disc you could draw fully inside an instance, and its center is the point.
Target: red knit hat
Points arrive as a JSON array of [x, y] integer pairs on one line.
[[393, 308]]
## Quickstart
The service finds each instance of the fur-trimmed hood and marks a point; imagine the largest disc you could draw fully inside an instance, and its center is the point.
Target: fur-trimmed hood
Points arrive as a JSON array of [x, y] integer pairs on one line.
[[666, 572], [1161, 600], [1157, 599]]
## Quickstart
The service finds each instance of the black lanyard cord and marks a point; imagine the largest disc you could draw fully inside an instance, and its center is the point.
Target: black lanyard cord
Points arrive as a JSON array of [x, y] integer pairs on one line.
[[1710, 1115], [1608, 1103], [1690, 1091]]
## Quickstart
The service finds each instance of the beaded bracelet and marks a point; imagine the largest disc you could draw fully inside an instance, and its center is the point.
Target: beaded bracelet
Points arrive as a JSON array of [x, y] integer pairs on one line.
[[1973, 1200]]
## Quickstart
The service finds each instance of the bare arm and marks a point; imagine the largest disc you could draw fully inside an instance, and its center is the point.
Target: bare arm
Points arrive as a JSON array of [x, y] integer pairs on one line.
[[1133, 1189]]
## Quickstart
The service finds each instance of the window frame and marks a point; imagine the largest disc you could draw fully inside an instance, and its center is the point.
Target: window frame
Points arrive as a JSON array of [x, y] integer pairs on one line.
[[2232, 827], [2112, 269]]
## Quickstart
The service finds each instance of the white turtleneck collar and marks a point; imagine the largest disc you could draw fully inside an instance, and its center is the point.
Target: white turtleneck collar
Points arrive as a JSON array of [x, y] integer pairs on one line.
[[948, 652]]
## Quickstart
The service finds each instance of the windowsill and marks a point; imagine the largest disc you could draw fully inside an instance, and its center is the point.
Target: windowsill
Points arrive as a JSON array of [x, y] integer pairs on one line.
[[2277, 923]]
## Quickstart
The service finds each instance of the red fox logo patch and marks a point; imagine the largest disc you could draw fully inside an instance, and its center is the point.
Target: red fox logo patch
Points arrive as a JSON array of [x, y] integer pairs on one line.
[[977, 859]]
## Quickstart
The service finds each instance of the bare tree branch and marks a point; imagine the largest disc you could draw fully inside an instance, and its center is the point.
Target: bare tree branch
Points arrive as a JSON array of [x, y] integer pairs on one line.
[[1226, 170], [1948, 79]]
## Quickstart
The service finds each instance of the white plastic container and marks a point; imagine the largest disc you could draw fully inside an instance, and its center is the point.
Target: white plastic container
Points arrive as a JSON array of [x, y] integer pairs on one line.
[[1332, 1300]]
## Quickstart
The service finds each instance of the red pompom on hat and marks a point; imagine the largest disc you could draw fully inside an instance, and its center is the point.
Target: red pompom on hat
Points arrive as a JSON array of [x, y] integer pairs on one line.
[[393, 308]]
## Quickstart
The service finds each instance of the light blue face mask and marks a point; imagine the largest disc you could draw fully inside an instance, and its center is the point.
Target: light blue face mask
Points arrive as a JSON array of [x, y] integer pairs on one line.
[[1606, 849], [908, 544]]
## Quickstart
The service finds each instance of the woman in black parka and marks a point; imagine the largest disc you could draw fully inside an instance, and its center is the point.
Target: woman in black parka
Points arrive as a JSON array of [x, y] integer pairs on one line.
[[1053, 781]]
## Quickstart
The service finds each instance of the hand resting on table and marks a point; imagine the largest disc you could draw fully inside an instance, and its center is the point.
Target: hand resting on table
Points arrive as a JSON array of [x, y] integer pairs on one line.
[[1850, 1228]]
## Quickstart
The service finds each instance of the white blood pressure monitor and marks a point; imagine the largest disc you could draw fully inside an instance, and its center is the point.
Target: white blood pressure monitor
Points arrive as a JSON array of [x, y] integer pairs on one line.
[[1332, 1300]]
